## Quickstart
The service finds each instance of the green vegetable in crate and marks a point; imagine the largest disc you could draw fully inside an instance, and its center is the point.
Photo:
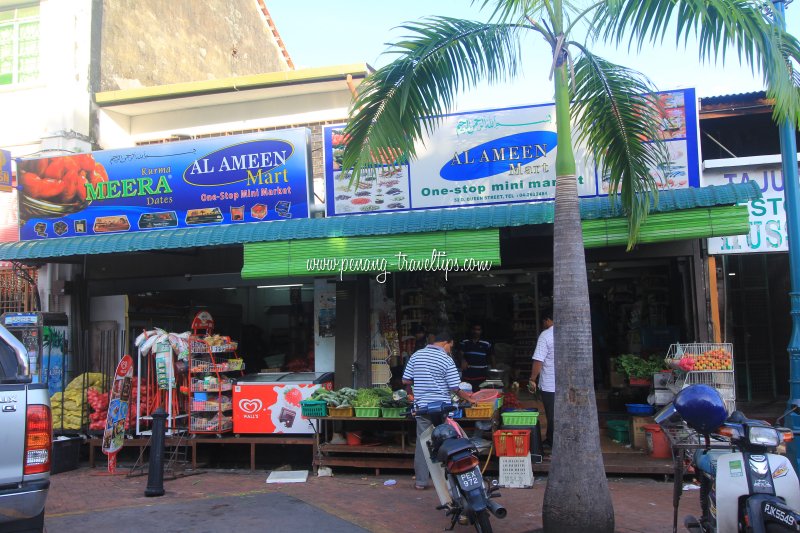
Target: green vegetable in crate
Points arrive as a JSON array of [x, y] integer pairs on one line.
[[634, 366], [339, 398], [371, 397], [399, 399]]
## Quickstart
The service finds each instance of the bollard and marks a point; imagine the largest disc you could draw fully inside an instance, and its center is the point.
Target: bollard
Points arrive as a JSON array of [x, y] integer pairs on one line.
[[155, 472]]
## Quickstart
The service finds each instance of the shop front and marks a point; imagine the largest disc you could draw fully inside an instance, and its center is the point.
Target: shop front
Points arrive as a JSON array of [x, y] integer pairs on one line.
[[219, 228]]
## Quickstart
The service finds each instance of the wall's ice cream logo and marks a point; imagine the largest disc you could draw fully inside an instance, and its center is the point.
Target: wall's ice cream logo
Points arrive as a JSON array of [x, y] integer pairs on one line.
[[250, 407], [251, 162]]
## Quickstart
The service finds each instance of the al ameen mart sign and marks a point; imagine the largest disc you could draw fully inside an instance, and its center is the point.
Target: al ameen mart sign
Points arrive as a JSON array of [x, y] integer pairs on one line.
[[497, 156]]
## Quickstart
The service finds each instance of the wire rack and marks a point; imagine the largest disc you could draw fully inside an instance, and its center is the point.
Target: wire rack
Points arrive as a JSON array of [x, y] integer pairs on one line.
[[694, 350]]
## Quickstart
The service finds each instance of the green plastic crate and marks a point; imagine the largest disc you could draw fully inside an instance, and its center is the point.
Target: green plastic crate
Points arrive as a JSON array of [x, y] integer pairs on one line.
[[393, 412], [313, 408], [520, 418], [368, 412], [619, 431]]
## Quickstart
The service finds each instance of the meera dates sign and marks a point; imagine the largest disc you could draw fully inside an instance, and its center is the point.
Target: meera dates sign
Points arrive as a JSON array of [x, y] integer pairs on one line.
[[222, 180]]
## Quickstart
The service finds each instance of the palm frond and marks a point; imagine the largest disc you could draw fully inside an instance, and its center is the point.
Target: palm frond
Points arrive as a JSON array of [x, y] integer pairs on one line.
[[441, 57], [743, 27], [614, 112], [512, 10]]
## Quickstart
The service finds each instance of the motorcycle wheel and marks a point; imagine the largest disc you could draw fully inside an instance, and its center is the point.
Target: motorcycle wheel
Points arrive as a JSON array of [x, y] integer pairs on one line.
[[481, 521]]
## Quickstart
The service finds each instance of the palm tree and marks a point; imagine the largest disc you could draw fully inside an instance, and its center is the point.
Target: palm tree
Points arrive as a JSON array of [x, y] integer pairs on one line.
[[608, 106]]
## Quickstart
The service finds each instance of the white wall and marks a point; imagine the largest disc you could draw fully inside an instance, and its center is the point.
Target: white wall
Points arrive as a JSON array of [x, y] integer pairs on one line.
[[109, 308], [60, 100], [324, 347], [118, 130]]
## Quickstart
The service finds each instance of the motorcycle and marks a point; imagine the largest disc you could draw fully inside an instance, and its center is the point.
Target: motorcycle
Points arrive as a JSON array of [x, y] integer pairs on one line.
[[452, 460], [745, 487]]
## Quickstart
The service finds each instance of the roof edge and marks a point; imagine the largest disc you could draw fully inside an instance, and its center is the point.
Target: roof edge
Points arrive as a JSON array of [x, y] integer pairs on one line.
[[240, 83]]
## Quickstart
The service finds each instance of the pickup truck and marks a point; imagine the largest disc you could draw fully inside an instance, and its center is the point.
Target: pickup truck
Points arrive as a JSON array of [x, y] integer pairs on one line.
[[26, 440]]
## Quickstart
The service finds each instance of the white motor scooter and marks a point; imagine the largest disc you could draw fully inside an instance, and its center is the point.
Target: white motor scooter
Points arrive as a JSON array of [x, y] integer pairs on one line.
[[455, 472], [744, 485]]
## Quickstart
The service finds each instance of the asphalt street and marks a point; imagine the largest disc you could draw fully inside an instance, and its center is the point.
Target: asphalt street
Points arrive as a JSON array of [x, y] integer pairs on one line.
[[273, 512]]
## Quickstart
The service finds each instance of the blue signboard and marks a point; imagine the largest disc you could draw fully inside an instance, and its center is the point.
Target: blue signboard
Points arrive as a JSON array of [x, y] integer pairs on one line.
[[5, 171], [498, 156], [222, 180]]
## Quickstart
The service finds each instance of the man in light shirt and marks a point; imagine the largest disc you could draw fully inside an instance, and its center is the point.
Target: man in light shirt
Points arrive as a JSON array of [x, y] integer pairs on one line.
[[544, 369]]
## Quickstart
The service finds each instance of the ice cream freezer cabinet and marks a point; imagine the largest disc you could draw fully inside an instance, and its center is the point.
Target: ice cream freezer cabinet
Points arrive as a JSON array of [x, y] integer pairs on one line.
[[270, 403]]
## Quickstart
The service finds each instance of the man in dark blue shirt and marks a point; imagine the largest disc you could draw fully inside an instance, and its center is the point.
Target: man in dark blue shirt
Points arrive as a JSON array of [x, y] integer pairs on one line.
[[476, 357]]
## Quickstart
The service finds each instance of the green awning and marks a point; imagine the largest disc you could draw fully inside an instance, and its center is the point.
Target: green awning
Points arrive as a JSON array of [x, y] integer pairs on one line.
[[466, 218], [700, 223], [435, 251]]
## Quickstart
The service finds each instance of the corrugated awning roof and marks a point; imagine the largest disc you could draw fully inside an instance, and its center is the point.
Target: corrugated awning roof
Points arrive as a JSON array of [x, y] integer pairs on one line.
[[732, 97], [497, 216]]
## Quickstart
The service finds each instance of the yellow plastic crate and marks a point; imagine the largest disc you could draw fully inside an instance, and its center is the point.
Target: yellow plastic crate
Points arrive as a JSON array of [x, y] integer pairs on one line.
[[478, 412]]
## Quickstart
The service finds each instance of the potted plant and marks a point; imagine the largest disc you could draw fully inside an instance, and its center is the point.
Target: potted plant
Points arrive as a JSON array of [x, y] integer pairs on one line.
[[639, 370]]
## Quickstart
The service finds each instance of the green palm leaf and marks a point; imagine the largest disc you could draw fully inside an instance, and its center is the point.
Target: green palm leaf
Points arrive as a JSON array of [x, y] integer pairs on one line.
[[720, 26], [441, 57], [614, 113]]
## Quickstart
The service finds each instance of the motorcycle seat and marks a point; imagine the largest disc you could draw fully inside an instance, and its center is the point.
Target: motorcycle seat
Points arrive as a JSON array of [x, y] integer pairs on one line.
[[706, 461], [451, 446]]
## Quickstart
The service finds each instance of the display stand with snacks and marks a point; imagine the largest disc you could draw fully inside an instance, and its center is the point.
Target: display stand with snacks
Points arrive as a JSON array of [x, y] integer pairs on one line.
[[212, 367]]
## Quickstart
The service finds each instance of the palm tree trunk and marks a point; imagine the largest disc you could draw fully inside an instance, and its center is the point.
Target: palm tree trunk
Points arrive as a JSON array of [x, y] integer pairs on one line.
[[577, 498]]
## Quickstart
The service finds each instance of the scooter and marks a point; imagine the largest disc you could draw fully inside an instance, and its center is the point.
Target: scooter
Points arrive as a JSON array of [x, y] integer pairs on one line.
[[453, 463], [744, 486]]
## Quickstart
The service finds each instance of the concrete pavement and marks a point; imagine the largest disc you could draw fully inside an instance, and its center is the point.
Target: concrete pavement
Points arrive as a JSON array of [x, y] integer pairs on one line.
[[236, 500]]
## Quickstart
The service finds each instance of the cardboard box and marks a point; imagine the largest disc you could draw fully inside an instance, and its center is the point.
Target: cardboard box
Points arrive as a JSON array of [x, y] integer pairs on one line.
[[638, 436]]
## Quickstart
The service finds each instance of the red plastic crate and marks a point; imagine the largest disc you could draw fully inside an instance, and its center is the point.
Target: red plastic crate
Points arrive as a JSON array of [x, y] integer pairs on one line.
[[512, 442]]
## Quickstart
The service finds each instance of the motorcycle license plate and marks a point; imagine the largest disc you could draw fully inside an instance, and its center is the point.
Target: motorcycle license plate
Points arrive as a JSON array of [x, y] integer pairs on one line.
[[469, 480], [781, 515]]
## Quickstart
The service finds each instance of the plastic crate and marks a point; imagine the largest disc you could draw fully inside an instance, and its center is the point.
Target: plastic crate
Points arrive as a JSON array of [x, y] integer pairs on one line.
[[368, 412], [478, 412], [393, 412], [340, 412], [512, 442], [520, 418], [66, 454], [313, 408], [619, 431]]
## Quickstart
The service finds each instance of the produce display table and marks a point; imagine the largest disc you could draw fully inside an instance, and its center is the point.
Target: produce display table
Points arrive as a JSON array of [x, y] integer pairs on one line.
[[372, 456]]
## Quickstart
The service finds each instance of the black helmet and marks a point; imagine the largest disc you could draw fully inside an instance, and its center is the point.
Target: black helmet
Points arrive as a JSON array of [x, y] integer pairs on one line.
[[441, 433]]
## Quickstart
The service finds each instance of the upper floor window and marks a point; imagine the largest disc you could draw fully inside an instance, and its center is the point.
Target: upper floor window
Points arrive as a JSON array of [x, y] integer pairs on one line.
[[19, 44]]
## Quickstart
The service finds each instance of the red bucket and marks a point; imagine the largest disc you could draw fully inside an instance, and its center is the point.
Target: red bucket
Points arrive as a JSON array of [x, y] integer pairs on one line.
[[353, 438], [657, 442]]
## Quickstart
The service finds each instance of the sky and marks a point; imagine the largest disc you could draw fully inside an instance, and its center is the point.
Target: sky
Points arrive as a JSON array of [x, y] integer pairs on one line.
[[320, 33]]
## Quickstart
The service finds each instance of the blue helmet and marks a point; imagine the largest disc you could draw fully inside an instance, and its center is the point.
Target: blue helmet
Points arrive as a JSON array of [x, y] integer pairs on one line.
[[701, 406]]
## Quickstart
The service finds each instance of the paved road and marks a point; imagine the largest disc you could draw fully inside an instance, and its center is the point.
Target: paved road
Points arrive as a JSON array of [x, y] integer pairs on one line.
[[272, 512]]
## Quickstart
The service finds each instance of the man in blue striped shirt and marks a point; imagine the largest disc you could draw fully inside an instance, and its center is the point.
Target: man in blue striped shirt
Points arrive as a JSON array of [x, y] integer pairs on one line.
[[433, 376]]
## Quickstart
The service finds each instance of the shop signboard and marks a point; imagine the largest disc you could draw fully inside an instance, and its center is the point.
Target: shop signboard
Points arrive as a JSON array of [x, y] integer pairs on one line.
[[767, 214], [497, 156], [221, 180], [5, 171]]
